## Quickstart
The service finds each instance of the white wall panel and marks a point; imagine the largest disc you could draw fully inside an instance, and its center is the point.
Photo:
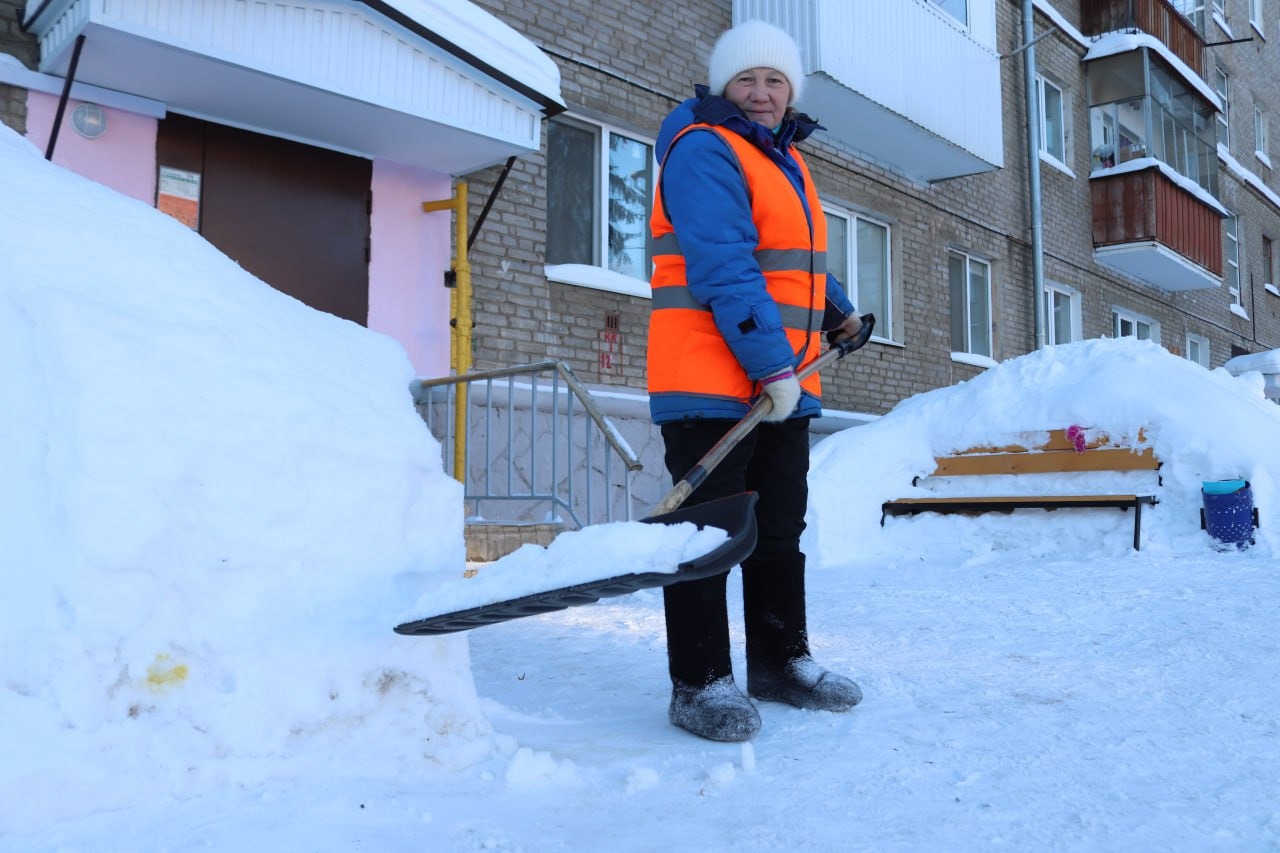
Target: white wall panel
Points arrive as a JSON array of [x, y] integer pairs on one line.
[[907, 56], [342, 48]]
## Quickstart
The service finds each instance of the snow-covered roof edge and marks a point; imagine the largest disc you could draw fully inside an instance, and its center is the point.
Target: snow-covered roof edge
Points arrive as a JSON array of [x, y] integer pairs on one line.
[[1263, 362], [1061, 23], [1248, 177], [1109, 44], [14, 73], [459, 27], [483, 41]]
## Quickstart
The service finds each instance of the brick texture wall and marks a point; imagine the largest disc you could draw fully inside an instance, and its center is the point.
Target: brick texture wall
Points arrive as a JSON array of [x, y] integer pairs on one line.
[[14, 42], [626, 63], [629, 63]]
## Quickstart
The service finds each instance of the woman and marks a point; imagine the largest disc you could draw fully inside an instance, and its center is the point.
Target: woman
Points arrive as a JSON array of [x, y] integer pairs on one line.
[[740, 301]]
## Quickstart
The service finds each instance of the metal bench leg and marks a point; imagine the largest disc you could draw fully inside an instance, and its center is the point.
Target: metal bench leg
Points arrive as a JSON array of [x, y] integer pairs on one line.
[[1137, 525]]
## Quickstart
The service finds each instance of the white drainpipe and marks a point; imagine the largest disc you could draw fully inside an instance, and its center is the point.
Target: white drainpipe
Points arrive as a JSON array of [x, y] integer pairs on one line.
[[1033, 170]]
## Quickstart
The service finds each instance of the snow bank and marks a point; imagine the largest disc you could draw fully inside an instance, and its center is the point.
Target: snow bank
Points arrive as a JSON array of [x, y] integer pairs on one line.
[[208, 497], [1203, 425]]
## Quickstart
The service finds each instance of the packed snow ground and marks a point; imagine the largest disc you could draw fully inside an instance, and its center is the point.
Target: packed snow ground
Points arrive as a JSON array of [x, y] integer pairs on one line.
[[216, 503]]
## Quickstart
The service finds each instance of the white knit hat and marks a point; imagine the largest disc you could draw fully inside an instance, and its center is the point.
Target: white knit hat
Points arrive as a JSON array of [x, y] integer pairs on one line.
[[755, 44]]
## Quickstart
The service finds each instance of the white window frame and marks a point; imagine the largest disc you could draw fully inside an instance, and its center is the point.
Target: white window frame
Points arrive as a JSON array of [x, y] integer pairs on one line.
[[1197, 349], [598, 275], [1062, 139], [1193, 11], [855, 284], [1269, 265], [961, 315], [1138, 324], [1231, 257], [1255, 17], [1220, 17], [1061, 294], [1261, 137], [958, 9], [1222, 87]]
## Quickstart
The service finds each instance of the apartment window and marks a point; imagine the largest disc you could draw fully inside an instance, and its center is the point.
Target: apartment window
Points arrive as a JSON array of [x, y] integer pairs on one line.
[[1053, 128], [1221, 83], [1198, 349], [1255, 14], [1268, 262], [1126, 324], [599, 192], [1151, 112], [1062, 314], [1193, 10], [970, 280], [1231, 257], [958, 9], [1261, 137], [858, 254], [1220, 8]]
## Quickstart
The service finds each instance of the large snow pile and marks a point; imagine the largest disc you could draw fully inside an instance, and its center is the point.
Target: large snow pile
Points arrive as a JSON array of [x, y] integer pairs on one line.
[[1202, 425], [215, 503]]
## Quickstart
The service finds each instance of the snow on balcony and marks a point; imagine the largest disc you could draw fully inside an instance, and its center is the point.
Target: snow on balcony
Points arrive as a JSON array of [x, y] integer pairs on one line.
[[435, 83]]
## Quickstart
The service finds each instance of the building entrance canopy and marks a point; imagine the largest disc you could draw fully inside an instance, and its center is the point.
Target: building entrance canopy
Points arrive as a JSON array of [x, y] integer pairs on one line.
[[434, 83]]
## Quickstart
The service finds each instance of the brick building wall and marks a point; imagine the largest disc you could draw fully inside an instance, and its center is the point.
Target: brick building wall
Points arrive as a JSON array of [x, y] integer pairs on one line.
[[16, 43], [1253, 68], [628, 65]]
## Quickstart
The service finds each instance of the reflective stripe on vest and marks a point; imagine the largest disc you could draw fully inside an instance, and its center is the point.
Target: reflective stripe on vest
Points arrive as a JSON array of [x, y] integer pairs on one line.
[[687, 355], [770, 260], [680, 297]]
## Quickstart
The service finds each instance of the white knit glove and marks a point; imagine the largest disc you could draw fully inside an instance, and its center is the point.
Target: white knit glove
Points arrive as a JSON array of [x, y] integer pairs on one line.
[[784, 390]]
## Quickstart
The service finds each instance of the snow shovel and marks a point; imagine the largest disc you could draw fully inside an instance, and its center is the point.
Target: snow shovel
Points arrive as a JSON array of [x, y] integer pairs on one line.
[[734, 514]]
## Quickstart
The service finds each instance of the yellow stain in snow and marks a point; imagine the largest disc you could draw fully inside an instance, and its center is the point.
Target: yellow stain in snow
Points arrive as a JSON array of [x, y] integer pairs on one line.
[[162, 675]]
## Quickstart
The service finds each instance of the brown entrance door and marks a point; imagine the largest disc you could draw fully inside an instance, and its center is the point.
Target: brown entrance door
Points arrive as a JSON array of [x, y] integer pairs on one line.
[[294, 215]]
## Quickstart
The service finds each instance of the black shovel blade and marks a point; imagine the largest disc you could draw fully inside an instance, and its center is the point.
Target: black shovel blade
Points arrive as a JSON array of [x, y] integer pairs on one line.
[[734, 514]]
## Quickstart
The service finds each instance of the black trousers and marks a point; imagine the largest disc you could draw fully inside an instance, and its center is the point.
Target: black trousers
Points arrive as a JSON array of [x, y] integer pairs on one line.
[[772, 461]]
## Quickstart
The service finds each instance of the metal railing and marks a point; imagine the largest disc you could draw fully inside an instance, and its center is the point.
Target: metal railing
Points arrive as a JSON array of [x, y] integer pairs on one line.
[[536, 441], [1160, 18]]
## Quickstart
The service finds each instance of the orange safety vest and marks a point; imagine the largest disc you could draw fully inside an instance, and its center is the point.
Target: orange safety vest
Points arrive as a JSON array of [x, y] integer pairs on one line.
[[686, 353]]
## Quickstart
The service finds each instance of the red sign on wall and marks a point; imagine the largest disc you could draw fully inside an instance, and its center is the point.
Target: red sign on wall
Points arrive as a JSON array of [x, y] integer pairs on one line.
[[178, 194], [609, 354]]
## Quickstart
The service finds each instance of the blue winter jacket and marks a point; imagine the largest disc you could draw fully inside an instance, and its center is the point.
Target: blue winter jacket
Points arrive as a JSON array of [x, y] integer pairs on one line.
[[706, 199]]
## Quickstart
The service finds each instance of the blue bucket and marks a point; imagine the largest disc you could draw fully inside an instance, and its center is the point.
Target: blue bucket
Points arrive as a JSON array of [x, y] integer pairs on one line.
[[1228, 511]]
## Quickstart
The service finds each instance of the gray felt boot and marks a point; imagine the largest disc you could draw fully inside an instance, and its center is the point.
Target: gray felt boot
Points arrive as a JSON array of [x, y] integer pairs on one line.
[[805, 684], [716, 711]]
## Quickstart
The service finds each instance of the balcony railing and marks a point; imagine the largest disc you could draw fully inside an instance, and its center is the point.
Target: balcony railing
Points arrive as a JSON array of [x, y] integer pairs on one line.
[[1149, 227], [1155, 17]]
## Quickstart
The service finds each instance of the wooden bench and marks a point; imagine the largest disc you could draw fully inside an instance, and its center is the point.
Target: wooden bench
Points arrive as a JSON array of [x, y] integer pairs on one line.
[[1066, 452]]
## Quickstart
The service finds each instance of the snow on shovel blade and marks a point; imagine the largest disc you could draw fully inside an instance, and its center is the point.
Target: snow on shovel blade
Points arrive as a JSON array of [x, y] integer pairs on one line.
[[734, 514]]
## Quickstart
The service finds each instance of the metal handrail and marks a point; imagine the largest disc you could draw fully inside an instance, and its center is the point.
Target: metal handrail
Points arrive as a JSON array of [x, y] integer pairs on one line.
[[547, 450]]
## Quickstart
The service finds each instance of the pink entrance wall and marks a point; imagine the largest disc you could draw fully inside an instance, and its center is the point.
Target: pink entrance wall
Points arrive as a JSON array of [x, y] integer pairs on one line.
[[411, 250], [123, 157]]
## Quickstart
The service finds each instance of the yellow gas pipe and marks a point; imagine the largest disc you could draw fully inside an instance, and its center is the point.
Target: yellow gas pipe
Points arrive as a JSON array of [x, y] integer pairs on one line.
[[460, 318]]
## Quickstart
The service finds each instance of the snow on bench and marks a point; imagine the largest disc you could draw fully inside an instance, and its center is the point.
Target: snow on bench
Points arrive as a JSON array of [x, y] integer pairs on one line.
[[1032, 466]]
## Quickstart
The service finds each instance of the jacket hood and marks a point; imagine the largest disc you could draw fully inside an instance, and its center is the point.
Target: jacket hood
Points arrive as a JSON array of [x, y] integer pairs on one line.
[[705, 108]]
